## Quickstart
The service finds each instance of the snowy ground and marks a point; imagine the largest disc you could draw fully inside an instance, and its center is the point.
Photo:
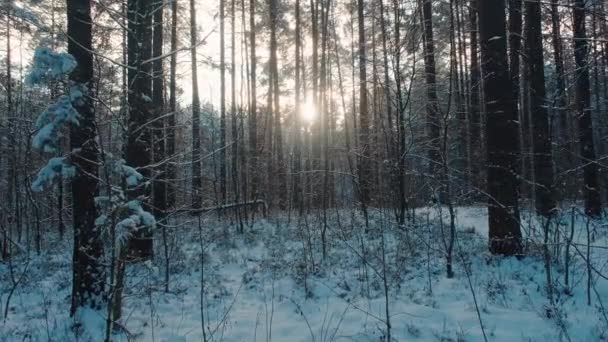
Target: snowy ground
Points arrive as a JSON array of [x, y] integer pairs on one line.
[[262, 286]]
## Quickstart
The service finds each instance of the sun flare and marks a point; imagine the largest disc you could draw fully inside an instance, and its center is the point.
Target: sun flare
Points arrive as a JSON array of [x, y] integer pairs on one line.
[[308, 112]]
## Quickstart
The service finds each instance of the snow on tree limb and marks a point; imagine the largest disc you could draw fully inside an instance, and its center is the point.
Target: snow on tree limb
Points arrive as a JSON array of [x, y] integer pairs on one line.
[[50, 66], [138, 218], [55, 168], [49, 123]]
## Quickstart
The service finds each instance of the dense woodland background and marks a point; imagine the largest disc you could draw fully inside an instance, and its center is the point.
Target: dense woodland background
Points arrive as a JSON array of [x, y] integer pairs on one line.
[[377, 110]]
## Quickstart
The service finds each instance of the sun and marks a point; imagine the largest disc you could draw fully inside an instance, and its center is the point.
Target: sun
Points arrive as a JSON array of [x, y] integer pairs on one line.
[[308, 112]]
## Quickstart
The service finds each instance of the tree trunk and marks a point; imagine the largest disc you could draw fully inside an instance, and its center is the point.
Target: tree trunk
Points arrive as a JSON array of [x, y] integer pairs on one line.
[[403, 202], [463, 108], [297, 163], [476, 149], [222, 104], [171, 122], [456, 93], [89, 273], [138, 147], [515, 30], [433, 123], [245, 81], [253, 125], [387, 85], [160, 181], [519, 100], [390, 134], [280, 172], [501, 131], [593, 204], [268, 136], [197, 183], [11, 160], [564, 136], [541, 135], [364, 120], [315, 138], [234, 127]]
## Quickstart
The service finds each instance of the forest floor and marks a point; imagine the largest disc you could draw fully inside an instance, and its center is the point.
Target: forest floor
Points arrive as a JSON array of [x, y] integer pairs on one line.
[[273, 283]]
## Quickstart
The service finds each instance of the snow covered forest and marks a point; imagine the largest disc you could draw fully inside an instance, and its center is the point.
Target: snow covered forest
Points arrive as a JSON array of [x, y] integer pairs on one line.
[[303, 170]]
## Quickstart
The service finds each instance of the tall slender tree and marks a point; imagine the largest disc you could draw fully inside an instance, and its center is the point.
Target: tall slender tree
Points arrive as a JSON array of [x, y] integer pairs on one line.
[[364, 120], [560, 99], [197, 183], [158, 100], [279, 168], [593, 203], [11, 160], [560, 96], [520, 99], [403, 201], [138, 147], [233, 110], [501, 131], [433, 124], [268, 135], [89, 270], [253, 124], [171, 122], [223, 146], [315, 139], [297, 124], [541, 135], [515, 34], [475, 148]]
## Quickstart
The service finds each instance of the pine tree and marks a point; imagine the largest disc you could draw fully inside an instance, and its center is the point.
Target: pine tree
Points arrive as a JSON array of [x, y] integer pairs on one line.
[[475, 146], [171, 122], [297, 160], [593, 204], [501, 131], [223, 146], [88, 268], [197, 183], [253, 125], [433, 123], [158, 100], [364, 120], [138, 148], [541, 135]]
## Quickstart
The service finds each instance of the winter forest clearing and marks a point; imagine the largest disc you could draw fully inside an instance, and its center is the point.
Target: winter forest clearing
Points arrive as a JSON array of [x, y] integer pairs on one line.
[[288, 170], [272, 283]]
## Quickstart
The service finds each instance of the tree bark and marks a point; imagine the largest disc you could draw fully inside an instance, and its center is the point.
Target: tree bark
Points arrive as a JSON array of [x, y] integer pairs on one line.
[[403, 201], [475, 123], [158, 86], [593, 204], [171, 122], [564, 136], [280, 172], [253, 125], [222, 104], [138, 147], [364, 120], [433, 123], [89, 273], [515, 32], [233, 110], [11, 160], [197, 183], [541, 135], [501, 131], [297, 163]]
